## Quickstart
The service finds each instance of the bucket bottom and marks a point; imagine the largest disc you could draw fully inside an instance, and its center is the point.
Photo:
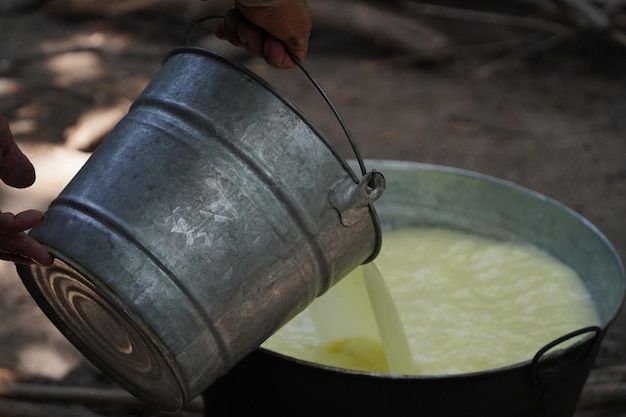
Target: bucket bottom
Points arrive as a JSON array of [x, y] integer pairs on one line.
[[104, 333]]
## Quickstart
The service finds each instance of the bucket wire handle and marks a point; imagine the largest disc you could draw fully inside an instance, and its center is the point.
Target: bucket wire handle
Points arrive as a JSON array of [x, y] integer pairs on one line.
[[373, 182], [319, 88]]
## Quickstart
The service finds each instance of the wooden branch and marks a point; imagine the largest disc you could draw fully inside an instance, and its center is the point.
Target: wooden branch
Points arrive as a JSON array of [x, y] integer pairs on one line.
[[605, 387], [602, 396], [608, 374], [618, 36], [10, 408], [179, 9], [482, 17], [525, 51], [465, 51], [594, 16], [81, 395], [403, 33]]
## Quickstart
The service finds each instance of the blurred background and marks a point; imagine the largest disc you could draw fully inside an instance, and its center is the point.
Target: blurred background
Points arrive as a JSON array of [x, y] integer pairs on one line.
[[531, 91]]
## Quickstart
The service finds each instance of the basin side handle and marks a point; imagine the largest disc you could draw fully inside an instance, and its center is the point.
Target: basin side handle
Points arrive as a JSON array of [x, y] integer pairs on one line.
[[539, 375]]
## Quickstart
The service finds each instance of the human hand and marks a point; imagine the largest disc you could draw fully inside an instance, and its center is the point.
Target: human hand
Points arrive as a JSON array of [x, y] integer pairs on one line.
[[17, 171], [269, 28]]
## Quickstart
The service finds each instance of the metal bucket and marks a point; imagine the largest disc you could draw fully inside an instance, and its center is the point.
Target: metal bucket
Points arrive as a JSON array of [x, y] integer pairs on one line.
[[212, 214], [546, 385]]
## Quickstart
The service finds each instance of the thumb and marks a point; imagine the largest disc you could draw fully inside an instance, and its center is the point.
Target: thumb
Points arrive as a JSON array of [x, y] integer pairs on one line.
[[15, 168]]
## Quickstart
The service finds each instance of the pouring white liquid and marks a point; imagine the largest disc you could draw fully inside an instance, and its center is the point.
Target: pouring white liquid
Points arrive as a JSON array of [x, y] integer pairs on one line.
[[390, 327], [466, 303]]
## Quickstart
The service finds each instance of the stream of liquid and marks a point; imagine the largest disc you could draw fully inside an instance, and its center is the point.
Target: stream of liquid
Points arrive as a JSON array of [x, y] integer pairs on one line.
[[444, 302], [390, 327]]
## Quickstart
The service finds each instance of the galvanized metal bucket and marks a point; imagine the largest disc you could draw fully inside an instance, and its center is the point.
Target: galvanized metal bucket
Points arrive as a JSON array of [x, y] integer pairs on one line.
[[212, 214], [548, 384]]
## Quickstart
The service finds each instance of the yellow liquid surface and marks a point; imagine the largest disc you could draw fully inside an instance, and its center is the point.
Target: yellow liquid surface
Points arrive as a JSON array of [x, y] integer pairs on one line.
[[466, 304]]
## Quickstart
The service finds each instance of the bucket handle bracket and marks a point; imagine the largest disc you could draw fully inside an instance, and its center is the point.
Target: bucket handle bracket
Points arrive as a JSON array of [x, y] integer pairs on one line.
[[349, 200]]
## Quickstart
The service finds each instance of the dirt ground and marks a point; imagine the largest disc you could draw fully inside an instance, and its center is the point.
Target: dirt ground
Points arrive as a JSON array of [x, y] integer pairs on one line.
[[550, 117]]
